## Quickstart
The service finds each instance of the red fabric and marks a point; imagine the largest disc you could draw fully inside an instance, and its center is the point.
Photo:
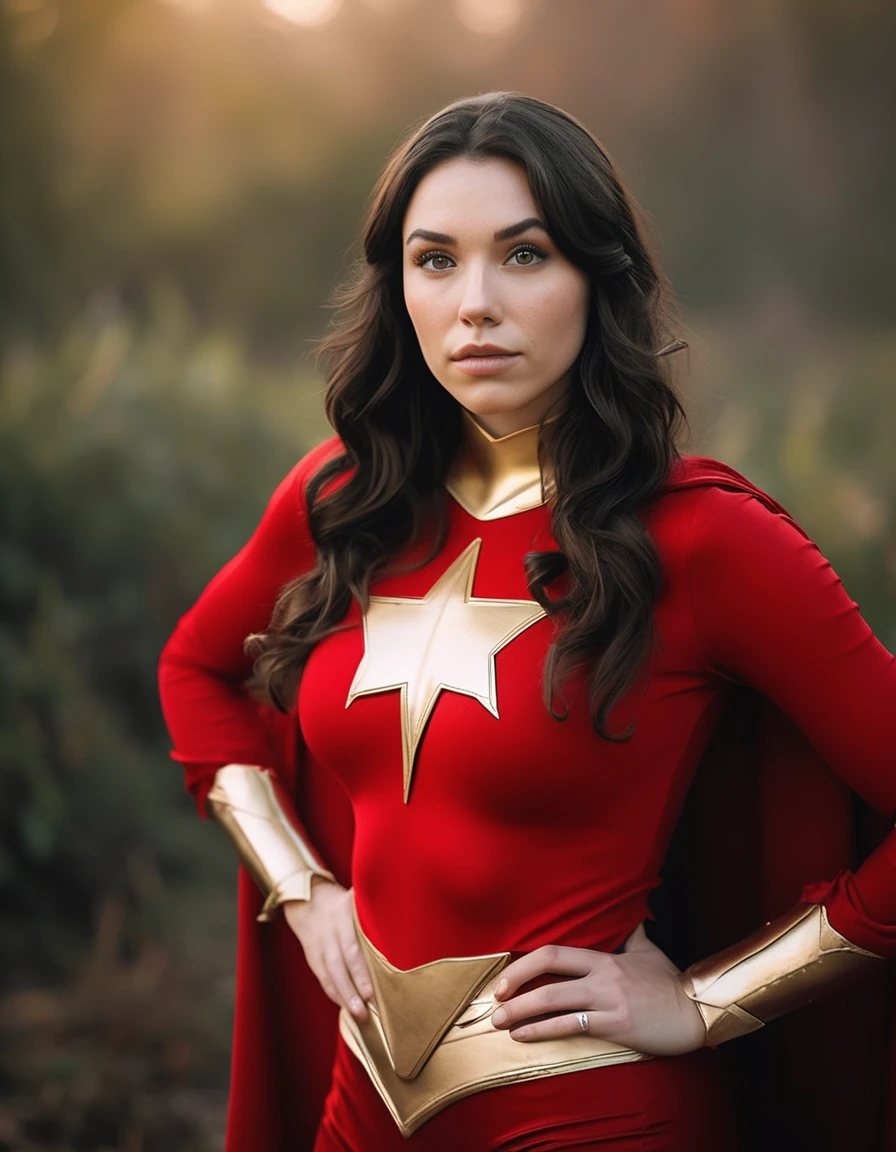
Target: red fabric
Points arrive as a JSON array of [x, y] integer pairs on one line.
[[677, 1104], [764, 676]]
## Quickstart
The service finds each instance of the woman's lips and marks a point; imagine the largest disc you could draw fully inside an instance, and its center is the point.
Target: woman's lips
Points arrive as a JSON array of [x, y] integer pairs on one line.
[[485, 365]]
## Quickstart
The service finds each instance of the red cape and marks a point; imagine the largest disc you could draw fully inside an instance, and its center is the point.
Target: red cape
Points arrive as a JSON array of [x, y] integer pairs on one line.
[[764, 816]]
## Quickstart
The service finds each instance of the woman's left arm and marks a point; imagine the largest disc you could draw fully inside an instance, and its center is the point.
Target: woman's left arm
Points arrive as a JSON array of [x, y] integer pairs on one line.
[[769, 611]]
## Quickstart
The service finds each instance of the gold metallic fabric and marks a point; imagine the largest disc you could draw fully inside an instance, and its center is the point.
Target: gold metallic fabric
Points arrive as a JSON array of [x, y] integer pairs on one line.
[[445, 641], [429, 1039], [491, 477], [789, 962], [260, 818]]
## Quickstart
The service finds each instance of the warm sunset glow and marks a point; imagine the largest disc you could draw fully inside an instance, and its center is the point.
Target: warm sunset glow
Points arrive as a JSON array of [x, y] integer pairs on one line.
[[305, 12], [489, 17], [387, 7], [191, 5]]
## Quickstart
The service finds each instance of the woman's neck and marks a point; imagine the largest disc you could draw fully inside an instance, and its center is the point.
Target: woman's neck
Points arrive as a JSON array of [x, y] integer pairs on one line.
[[495, 476]]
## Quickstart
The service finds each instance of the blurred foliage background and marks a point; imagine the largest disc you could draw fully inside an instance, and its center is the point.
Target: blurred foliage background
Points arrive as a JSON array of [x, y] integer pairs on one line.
[[181, 187]]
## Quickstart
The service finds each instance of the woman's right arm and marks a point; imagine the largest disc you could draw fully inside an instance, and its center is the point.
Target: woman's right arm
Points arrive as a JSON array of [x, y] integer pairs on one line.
[[222, 741], [211, 719]]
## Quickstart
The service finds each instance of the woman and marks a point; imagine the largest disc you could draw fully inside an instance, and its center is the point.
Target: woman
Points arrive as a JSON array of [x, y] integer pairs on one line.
[[509, 620]]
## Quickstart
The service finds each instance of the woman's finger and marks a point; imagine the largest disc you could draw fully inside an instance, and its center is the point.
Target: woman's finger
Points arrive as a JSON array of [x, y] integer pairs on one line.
[[552, 998], [356, 964], [348, 993], [601, 1024], [552, 959]]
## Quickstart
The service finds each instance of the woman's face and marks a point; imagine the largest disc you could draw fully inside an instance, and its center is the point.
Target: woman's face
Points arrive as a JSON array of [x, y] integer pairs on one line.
[[479, 269]]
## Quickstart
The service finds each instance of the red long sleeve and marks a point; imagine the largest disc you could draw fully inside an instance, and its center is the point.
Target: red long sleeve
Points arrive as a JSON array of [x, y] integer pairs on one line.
[[211, 719], [770, 611]]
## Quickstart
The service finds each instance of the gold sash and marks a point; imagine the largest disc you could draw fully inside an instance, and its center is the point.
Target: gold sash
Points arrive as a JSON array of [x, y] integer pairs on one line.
[[429, 1039]]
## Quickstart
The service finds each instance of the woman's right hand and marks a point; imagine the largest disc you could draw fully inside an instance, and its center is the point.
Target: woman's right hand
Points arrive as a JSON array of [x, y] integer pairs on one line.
[[325, 928]]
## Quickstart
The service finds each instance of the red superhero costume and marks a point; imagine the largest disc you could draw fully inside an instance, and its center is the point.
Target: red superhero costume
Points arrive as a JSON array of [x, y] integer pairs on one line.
[[482, 824]]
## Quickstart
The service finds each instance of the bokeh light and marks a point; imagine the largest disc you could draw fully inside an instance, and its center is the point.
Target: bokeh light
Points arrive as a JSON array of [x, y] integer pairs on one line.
[[32, 21], [489, 17], [305, 12]]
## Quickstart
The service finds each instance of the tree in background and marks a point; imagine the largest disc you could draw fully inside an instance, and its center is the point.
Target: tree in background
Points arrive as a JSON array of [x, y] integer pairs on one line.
[[131, 469]]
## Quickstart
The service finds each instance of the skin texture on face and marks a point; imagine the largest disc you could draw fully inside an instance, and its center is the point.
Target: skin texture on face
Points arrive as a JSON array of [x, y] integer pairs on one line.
[[514, 291]]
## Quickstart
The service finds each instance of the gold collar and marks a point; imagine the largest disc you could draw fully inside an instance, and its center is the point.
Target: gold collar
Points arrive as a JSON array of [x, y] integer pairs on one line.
[[491, 478]]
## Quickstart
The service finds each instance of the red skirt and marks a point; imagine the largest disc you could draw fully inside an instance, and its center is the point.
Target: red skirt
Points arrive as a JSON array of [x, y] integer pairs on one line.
[[668, 1104]]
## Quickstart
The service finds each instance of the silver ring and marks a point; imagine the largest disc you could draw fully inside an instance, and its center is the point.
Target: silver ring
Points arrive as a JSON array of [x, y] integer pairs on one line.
[[582, 1018]]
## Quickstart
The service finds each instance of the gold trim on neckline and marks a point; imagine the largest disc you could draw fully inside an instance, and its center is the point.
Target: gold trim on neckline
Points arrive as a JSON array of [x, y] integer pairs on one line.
[[492, 477]]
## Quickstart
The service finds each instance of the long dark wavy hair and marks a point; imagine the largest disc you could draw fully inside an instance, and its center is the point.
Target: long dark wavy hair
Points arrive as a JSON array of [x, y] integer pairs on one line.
[[608, 450]]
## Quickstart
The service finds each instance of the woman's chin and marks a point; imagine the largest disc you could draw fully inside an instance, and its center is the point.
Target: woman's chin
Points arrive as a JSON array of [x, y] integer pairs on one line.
[[500, 409]]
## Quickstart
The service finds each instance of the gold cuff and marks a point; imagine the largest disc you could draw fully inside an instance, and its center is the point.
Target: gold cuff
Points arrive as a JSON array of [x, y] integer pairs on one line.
[[785, 964], [260, 818]]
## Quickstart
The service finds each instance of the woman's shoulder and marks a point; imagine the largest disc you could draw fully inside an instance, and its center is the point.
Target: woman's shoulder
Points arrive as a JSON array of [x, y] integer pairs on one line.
[[721, 512], [295, 482], [706, 505], [705, 474], [315, 458], [289, 498], [714, 486]]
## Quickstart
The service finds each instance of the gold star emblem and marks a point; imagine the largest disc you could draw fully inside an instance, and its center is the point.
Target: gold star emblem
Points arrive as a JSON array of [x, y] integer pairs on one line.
[[445, 642]]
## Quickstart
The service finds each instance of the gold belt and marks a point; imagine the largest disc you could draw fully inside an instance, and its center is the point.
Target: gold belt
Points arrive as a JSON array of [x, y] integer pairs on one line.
[[429, 1038]]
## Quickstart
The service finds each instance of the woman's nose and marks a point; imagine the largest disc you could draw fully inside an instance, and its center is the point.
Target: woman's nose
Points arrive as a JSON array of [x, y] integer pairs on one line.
[[479, 302]]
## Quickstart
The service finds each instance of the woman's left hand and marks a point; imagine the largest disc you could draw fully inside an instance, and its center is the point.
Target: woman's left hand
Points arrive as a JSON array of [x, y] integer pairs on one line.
[[633, 998]]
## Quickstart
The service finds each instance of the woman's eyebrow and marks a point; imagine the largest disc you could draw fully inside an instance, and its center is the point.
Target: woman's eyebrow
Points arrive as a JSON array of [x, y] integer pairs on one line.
[[503, 234]]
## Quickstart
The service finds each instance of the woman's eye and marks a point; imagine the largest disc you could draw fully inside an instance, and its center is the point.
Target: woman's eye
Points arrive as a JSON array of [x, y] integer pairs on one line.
[[524, 257], [528, 255], [424, 261]]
